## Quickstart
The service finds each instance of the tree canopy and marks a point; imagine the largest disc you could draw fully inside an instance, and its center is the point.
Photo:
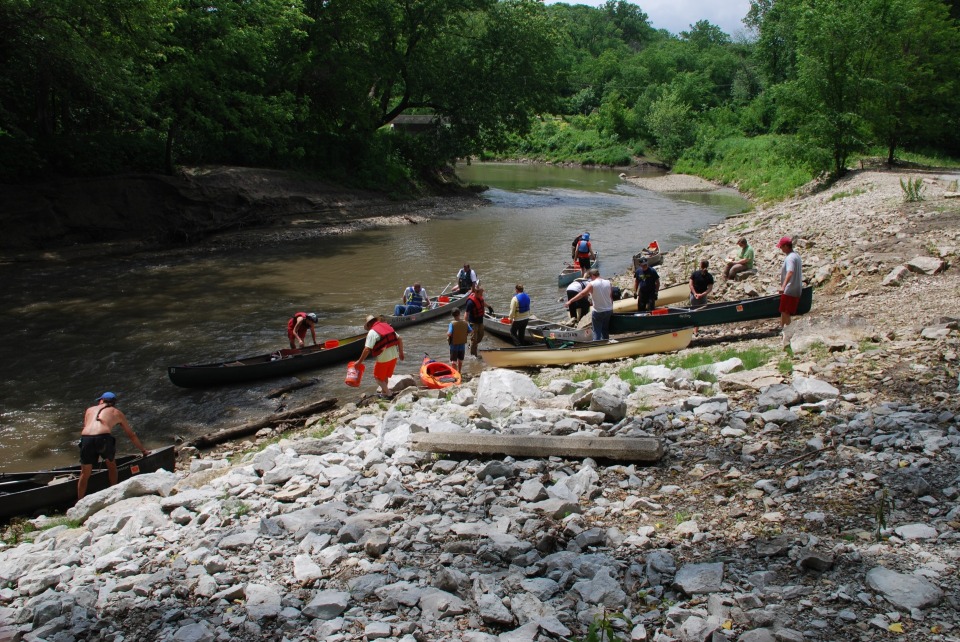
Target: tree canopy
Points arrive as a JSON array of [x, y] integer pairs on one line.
[[101, 86]]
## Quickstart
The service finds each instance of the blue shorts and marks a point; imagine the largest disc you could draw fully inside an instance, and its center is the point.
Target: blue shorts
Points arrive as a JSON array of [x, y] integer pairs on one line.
[[458, 352]]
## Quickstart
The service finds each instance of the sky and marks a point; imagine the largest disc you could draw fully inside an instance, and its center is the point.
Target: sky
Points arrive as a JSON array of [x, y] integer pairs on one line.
[[677, 15]]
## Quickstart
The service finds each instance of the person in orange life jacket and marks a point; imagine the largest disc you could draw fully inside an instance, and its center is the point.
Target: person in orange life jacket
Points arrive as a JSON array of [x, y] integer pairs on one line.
[[585, 253], [414, 300], [519, 315], [386, 347], [96, 440], [466, 279], [457, 333], [297, 328], [476, 308]]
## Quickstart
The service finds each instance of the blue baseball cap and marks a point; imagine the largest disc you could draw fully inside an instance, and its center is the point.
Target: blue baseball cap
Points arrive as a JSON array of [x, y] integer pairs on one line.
[[107, 396]]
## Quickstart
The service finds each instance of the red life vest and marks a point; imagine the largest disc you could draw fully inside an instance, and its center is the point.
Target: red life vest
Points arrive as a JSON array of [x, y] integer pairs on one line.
[[388, 338], [479, 307], [291, 324]]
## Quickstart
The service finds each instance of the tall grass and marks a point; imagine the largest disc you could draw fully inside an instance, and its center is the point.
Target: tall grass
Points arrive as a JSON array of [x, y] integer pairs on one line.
[[769, 168]]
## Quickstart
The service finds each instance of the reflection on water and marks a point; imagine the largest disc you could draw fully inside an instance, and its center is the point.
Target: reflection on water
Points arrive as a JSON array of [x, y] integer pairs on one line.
[[70, 332]]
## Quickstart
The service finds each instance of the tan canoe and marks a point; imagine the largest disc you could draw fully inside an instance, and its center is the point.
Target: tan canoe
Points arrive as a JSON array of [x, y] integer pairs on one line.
[[622, 347]]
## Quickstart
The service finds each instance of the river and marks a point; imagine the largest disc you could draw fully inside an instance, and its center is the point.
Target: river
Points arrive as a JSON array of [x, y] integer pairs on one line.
[[72, 331]]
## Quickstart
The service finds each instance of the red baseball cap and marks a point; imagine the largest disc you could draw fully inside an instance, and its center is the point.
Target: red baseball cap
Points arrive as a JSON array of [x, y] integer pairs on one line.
[[785, 240]]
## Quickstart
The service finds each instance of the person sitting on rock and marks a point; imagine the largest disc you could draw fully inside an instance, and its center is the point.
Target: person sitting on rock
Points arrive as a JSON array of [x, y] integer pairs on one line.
[[742, 263]]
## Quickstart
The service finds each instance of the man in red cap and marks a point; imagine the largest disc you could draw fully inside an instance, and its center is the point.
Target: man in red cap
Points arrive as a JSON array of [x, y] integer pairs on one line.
[[96, 440], [791, 281]]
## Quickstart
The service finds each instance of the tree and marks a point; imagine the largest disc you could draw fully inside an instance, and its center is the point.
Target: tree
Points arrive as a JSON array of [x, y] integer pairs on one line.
[[224, 85], [915, 86]]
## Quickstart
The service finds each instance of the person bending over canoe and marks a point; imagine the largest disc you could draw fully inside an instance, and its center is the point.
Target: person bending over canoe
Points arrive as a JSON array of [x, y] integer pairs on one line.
[[414, 300], [297, 328], [582, 306], [386, 346], [601, 293], [96, 440]]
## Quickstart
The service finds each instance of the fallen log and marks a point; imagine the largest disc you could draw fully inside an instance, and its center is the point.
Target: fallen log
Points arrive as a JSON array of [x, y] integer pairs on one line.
[[644, 449], [247, 429], [276, 392]]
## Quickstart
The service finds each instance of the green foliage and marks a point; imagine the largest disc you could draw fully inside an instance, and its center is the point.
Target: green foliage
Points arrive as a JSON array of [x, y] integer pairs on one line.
[[912, 189], [785, 366], [844, 194], [769, 168], [604, 626]]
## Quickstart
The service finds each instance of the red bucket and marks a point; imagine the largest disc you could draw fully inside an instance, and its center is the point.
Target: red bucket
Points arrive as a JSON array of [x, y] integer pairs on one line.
[[354, 374], [443, 300], [331, 343], [506, 320]]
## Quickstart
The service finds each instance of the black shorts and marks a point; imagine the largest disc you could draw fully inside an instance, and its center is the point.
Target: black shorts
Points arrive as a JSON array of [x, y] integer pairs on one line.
[[94, 446], [584, 262]]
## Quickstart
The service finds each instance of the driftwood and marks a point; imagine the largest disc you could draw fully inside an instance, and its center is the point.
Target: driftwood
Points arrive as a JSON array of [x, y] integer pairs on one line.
[[276, 392], [646, 449], [228, 434]]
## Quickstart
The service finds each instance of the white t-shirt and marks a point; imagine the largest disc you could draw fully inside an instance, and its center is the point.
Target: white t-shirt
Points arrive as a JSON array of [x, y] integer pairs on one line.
[[601, 293]]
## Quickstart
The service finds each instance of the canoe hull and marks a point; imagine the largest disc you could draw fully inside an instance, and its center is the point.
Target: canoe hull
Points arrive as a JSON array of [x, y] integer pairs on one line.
[[767, 307], [624, 347], [669, 295], [276, 364], [437, 311], [537, 329], [572, 271], [30, 493]]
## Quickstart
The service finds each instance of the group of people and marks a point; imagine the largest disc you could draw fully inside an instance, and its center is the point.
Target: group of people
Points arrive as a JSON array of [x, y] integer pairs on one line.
[[386, 346]]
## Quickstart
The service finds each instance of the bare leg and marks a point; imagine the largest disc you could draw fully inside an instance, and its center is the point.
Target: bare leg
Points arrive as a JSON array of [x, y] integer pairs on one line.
[[111, 471], [85, 471]]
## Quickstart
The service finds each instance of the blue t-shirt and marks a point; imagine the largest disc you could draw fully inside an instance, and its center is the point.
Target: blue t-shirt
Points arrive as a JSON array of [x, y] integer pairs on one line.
[[647, 280]]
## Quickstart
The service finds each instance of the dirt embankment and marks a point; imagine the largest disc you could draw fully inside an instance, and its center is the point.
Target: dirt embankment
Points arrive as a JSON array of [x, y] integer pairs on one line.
[[75, 217]]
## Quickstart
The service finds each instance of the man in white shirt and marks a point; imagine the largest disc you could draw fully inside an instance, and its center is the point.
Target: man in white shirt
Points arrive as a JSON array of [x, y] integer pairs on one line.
[[600, 292]]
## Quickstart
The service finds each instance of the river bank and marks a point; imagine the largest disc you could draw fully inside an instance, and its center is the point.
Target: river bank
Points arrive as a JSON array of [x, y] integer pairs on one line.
[[811, 498], [201, 207]]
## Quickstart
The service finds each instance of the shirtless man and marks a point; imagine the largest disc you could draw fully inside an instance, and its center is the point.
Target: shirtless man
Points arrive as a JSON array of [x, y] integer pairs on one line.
[[96, 440]]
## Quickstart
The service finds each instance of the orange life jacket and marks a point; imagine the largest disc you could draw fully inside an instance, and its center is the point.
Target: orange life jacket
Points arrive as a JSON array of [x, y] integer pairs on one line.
[[479, 307], [388, 338]]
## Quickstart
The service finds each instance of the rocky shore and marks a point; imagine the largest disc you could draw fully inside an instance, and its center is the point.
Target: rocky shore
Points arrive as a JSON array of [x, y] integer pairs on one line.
[[811, 497]]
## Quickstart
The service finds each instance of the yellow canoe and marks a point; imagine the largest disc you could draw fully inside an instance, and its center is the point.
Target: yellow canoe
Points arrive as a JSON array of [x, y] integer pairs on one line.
[[621, 347]]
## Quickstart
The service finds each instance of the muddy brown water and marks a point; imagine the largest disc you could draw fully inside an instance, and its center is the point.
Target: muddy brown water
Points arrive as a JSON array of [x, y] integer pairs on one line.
[[68, 332]]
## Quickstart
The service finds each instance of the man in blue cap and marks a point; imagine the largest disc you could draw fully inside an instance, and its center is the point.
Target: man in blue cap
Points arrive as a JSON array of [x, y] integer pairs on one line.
[[96, 440]]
